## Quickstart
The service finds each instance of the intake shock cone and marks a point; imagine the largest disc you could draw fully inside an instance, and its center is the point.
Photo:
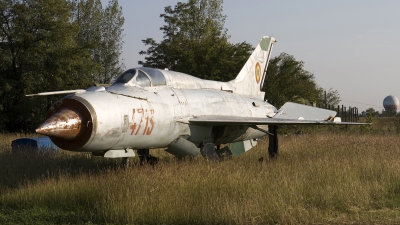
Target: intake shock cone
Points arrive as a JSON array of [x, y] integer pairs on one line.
[[65, 124], [70, 123]]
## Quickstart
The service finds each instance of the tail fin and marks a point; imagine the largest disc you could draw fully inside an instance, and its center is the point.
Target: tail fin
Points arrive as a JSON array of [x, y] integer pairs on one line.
[[250, 79]]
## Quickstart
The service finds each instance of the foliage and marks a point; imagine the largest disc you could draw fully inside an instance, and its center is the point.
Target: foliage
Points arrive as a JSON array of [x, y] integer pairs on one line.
[[390, 112], [330, 97], [396, 123], [41, 49], [39, 53], [100, 32], [195, 42], [372, 112], [369, 118], [287, 80]]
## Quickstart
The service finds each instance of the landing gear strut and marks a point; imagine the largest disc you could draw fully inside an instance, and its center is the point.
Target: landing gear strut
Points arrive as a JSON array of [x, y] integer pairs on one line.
[[208, 151], [146, 158], [125, 161], [273, 141]]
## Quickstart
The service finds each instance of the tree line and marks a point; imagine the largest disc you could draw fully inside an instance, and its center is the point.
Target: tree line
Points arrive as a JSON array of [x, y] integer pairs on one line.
[[49, 45], [196, 42]]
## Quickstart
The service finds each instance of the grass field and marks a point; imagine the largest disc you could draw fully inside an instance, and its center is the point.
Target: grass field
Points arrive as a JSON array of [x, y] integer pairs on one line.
[[334, 176]]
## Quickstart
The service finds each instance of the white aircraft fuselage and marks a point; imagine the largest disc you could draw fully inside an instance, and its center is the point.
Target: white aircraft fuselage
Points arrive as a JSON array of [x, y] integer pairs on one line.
[[124, 116], [149, 108]]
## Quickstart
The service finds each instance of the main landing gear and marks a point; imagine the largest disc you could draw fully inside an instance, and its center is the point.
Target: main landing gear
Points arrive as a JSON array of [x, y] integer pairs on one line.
[[273, 141], [208, 151], [146, 158]]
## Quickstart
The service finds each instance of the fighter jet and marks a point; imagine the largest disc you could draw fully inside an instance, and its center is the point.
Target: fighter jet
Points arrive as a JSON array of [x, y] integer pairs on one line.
[[148, 108]]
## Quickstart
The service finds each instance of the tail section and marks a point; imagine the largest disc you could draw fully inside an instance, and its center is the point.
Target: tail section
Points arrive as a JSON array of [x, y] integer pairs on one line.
[[250, 79]]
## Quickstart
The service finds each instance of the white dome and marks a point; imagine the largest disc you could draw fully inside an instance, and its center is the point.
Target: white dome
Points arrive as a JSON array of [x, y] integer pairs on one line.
[[391, 103]]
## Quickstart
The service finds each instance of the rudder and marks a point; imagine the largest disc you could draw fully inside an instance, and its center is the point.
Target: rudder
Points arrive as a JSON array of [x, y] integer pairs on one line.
[[250, 79]]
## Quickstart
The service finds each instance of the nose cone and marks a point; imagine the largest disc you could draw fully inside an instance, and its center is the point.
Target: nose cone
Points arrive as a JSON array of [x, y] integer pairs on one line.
[[66, 124]]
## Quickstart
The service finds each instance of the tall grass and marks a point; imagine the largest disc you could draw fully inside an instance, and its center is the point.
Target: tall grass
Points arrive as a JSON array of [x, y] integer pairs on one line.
[[329, 178]]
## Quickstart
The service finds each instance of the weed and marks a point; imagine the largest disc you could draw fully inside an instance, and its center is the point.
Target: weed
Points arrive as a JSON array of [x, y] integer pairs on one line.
[[335, 177]]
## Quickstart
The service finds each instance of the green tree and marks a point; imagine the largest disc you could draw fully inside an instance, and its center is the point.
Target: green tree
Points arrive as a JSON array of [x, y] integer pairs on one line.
[[390, 112], [110, 48], [48, 45], [100, 31], [287, 80], [330, 97], [39, 53], [195, 42], [86, 15], [371, 111]]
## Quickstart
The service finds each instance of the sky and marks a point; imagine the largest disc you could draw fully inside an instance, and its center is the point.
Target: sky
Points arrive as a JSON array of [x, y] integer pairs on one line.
[[351, 46]]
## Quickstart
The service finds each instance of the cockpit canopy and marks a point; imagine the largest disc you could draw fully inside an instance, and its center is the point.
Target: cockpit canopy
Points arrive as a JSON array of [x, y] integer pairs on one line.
[[143, 76]]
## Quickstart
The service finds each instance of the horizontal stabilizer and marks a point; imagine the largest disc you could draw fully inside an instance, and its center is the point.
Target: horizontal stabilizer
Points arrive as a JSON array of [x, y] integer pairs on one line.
[[296, 111]]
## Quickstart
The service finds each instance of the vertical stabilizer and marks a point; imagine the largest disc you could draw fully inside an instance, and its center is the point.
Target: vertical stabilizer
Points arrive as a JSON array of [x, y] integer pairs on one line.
[[250, 79]]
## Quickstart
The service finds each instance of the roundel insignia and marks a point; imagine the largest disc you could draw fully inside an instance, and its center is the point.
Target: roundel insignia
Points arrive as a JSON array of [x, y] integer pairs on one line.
[[258, 73]]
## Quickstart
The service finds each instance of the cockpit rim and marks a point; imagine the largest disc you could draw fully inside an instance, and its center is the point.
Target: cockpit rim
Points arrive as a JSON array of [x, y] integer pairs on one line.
[[136, 78]]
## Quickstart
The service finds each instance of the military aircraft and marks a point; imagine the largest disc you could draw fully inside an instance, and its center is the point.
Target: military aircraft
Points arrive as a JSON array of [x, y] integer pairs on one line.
[[148, 108]]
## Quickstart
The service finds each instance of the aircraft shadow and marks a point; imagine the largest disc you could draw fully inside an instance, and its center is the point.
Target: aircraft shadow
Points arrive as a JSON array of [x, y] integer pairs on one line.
[[21, 168]]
